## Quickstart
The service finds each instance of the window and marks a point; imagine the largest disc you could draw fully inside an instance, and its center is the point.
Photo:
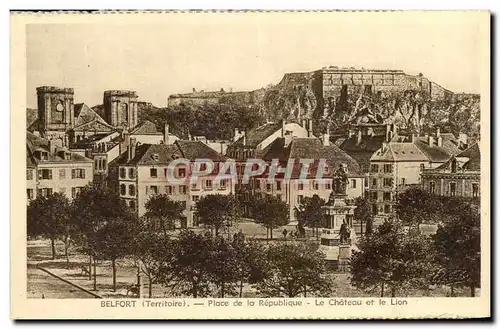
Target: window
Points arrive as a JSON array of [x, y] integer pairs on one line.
[[131, 173], [29, 174], [104, 164], [196, 198], [374, 209], [387, 196], [194, 186], [432, 187], [454, 165], [222, 184], [269, 187], [203, 167], [328, 186], [73, 192], [123, 173], [374, 182], [475, 190], [387, 208], [153, 189], [183, 189], [123, 189], [453, 188], [77, 173], [183, 204], [315, 185], [131, 190], [153, 173], [300, 186], [45, 174], [422, 167], [62, 173], [388, 168], [300, 199], [366, 182], [387, 182], [131, 204], [353, 183], [278, 185], [96, 164], [374, 168], [182, 172], [169, 189], [45, 192], [403, 181], [30, 193], [374, 196], [208, 184]]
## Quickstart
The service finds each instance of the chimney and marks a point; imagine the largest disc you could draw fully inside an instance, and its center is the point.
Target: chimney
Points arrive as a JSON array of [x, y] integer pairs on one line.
[[326, 139], [304, 123], [384, 146], [282, 128], [463, 139], [166, 135], [413, 138], [310, 128], [431, 141], [189, 135], [244, 138], [288, 138], [52, 146], [131, 149], [360, 137], [440, 141], [236, 134], [438, 132], [194, 90]]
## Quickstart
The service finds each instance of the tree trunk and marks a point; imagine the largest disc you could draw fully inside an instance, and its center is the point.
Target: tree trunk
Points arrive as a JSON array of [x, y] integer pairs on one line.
[[317, 233], [90, 267], [305, 291], [452, 291], [150, 287], [113, 266], [267, 233], [241, 288], [164, 229], [53, 244], [195, 291], [472, 290], [216, 231], [95, 275], [271, 233], [382, 290], [222, 286], [393, 291], [361, 234], [66, 253]]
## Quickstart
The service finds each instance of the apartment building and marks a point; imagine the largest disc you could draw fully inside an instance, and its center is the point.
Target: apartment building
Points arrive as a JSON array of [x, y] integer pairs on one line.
[[142, 173], [50, 169]]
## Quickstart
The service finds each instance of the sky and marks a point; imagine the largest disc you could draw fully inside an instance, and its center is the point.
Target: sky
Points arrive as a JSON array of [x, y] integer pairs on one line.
[[166, 55]]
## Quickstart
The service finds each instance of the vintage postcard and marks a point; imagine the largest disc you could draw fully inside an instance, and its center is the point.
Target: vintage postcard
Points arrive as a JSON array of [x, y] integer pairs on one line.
[[250, 165]]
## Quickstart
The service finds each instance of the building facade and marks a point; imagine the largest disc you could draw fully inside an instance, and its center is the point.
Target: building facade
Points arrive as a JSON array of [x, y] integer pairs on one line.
[[51, 169], [142, 173], [460, 176]]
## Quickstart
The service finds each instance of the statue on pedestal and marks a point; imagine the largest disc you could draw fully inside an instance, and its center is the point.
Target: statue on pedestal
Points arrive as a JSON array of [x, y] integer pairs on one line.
[[340, 180]]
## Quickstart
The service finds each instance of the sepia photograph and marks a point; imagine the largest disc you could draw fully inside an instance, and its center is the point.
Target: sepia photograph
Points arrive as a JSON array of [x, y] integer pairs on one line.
[[201, 159]]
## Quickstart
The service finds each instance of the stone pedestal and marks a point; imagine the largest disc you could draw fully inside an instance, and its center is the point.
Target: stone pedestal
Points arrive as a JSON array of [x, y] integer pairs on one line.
[[337, 234]]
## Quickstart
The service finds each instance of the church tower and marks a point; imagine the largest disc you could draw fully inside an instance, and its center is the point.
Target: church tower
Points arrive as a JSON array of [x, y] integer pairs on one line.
[[120, 108], [55, 109]]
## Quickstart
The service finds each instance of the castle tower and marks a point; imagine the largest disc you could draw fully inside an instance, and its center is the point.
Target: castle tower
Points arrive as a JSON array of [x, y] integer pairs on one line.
[[55, 108], [120, 108]]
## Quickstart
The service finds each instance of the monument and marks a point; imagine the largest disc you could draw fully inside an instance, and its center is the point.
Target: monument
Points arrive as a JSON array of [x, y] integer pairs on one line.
[[337, 234]]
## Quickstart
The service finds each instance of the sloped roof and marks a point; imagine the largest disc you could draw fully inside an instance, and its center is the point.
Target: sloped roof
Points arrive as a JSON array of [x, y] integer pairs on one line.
[[310, 148], [84, 115], [31, 116], [34, 143], [473, 162], [190, 150], [434, 153], [146, 128], [398, 152], [257, 135]]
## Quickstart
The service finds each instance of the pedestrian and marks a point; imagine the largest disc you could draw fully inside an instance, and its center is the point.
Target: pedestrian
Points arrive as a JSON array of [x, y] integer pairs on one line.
[[285, 232]]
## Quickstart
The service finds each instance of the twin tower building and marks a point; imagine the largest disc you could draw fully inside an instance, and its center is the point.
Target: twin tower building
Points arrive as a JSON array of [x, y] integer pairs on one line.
[[58, 115]]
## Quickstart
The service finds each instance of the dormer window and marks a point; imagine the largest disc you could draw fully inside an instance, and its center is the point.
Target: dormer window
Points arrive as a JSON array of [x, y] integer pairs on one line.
[[155, 157], [43, 155]]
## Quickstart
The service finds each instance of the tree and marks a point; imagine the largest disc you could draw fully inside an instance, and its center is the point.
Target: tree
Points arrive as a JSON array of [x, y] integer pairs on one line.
[[391, 258], [114, 240], [94, 208], [217, 210], [224, 266], [292, 270], [458, 246], [311, 213], [156, 255], [271, 212], [164, 210], [415, 206], [363, 213], [191, 264], [49, 217]]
